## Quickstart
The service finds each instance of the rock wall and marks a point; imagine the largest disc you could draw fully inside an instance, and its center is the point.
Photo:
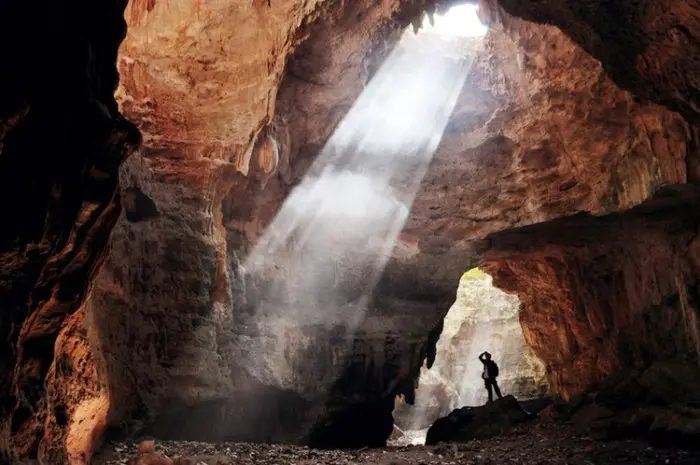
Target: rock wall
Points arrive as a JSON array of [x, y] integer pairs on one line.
[[605, 294], [649, 47], [62, 140], [172, 284], [541, 132], [216, 181]]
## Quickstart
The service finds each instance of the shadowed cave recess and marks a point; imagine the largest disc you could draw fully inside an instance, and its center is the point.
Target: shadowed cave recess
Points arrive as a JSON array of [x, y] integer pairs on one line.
[[146, 149]]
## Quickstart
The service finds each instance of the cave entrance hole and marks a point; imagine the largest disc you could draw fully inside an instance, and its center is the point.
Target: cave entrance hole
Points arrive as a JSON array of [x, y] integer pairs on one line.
[[483, 318]]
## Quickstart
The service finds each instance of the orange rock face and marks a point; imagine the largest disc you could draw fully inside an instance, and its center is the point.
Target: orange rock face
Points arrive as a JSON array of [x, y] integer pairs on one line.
[[62, 140], [540, 132], [649, 47], [169, 285], [605, 294], [234, 100]]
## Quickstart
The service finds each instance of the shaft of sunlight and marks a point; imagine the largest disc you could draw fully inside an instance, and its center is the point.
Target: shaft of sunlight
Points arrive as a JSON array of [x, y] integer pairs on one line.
[[460, 21], [320, 259]]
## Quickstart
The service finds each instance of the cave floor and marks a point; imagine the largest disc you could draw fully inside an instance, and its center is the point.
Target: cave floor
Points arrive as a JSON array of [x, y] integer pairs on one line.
[[534, 444]]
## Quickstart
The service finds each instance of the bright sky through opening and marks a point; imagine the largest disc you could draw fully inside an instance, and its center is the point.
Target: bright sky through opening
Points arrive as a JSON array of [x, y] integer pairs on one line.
[[461, 21]]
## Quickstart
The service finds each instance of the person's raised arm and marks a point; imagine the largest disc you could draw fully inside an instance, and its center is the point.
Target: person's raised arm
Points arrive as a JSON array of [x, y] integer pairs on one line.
[[481, 356]]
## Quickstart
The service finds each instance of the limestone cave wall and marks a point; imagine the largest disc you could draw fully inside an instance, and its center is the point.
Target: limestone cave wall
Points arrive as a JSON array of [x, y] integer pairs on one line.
[[538, 115], [648, 47], [234, 99], [216, 177], [62, 140], [604, 295]]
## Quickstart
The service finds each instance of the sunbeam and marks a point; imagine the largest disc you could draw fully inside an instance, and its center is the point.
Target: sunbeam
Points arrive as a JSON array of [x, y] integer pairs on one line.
[[318, 262]]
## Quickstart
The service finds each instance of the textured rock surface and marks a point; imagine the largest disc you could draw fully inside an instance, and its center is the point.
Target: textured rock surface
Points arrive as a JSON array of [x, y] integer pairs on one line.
[[532, 443], [487, 421], [649, 47], [657, 403], [539, 132], [170, 284], [61, 143], [600, 294], [482, 318]]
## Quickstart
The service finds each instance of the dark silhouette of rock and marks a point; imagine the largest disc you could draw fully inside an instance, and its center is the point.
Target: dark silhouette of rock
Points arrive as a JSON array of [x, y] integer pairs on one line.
[[369, 425], [137, 205], [659, 404], [62, 140], [535, 406], [487, 421]]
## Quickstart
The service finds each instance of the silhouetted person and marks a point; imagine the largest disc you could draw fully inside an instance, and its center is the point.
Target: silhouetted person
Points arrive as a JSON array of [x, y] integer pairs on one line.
[[490, 374]]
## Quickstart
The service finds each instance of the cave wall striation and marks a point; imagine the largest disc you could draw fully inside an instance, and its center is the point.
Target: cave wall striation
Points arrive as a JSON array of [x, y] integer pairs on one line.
[[62, 140], [218, 160], [603, 295], [539, 132], [234, 99]]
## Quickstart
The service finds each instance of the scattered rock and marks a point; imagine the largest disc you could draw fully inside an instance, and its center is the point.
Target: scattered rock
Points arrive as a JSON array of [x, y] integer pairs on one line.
[[659, 404], [535, 406], [533, 443], [147, 455]]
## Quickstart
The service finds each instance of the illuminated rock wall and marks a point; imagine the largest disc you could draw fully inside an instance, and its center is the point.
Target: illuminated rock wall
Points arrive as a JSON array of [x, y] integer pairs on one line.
[[483, 318]]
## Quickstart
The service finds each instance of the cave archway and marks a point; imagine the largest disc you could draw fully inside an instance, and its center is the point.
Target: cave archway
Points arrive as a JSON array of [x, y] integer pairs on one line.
[[482, 318]]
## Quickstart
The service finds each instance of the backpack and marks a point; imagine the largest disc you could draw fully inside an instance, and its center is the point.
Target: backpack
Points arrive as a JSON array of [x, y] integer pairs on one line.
[[493, 369]]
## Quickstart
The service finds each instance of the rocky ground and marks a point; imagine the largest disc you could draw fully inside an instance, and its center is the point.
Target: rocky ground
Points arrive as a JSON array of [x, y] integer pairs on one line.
[[534, 443]]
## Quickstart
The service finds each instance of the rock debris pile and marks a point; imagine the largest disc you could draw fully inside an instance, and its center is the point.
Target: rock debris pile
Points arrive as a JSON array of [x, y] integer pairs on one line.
[[539, 443]]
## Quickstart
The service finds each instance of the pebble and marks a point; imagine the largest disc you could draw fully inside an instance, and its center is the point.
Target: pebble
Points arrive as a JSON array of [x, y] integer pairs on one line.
[[539, 444]]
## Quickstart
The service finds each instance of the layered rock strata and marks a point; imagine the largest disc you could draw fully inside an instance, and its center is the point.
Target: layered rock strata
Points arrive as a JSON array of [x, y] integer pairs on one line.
[[541, 133], [62, 140], [178, 301], [650, 48], [603, 294], [172, 286]]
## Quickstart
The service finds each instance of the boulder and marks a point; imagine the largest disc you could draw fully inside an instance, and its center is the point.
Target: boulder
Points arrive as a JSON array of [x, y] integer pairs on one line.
[[659, 404], [487, 421], [535, 406]]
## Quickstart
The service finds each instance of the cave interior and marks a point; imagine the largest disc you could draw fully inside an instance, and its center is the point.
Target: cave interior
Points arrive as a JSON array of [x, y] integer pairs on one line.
[[146, 148]]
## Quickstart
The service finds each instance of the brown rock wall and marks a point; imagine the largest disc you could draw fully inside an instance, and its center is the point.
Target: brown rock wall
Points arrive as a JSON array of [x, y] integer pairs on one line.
[[62, 140], [649, 47], [170, 283], [601, 295], [540, 133]]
